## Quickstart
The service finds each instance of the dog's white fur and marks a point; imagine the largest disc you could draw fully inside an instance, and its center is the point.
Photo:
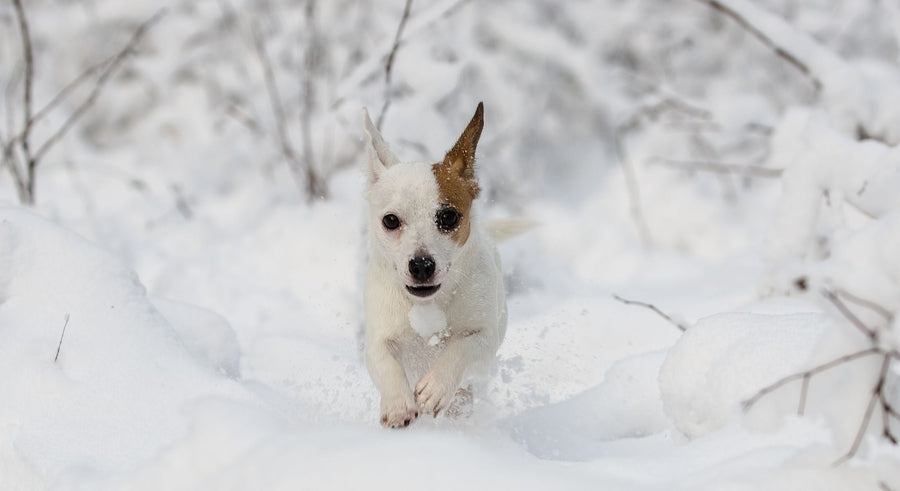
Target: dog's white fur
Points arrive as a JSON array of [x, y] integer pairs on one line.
[[471, 294]]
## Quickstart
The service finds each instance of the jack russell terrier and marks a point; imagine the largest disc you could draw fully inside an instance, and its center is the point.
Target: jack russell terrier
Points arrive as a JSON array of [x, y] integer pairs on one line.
[[434, 299]]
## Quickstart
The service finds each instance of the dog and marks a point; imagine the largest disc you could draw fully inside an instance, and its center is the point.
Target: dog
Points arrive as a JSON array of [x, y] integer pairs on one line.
[[430, 262]]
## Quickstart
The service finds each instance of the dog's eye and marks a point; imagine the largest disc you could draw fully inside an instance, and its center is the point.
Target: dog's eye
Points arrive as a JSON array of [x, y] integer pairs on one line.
[[390, 221], [448, 219]]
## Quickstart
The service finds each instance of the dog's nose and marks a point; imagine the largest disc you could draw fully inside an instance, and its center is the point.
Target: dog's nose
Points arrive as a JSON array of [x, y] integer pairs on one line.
[[421, 268]]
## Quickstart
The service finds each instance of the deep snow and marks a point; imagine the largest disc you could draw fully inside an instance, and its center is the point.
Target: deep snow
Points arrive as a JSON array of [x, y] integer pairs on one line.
[[213, 316]]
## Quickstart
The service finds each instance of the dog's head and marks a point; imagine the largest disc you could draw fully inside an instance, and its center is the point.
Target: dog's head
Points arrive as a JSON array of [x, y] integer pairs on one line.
[[420, 213]]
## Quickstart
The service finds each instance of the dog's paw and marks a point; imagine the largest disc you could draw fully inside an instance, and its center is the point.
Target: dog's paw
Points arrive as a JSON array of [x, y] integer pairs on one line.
[[434, 392], [398, 411]]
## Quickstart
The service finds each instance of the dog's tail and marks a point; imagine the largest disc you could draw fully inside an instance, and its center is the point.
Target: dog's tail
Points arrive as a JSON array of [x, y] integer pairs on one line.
[[503, 229]]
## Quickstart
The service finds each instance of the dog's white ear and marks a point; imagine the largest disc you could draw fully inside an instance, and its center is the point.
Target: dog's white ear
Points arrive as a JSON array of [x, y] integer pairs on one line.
[[380, 156]]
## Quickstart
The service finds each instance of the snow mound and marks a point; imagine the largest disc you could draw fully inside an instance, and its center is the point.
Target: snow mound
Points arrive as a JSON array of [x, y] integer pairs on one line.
[[265, 451], [727, 358], [111, 395], [625, 405], [205, 334]]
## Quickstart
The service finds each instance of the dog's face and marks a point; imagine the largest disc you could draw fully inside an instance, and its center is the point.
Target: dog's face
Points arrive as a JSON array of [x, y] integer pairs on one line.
[[420, 213]]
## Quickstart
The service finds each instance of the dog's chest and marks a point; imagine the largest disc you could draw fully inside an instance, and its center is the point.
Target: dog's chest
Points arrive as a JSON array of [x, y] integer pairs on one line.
[[417, 352]]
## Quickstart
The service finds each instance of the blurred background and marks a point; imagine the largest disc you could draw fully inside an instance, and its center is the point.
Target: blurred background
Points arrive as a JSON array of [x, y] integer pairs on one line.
[[222, 95], [233, 126]]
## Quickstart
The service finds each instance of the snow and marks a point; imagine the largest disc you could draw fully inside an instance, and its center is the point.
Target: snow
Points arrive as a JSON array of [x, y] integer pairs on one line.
[[428, 321], [208, 316], [112, 397], [725, 359]]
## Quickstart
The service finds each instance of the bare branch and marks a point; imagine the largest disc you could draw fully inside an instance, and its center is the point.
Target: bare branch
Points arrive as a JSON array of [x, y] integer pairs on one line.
[[104, 76], [244, 119], [888, 412], [651, 112], [876, 395], [11, 163], [652, 307], [300, 166], [315, 184], [181, 202], [23, 183], [634, 191], [889, 409], [804, 392], [886, 416], [71, 86], [18, 156], [870, 333], [389, 64], [721, 168], [28, 57], [424, 19], [758, 34], [59, 346], [277, 105], [874, 307], [809, 373]]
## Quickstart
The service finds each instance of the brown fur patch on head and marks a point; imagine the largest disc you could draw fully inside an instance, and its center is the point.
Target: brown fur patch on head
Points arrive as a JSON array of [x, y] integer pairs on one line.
[[455, 176]]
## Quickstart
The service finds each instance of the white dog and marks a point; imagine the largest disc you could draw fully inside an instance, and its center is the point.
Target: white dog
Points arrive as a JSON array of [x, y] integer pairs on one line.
[[430, 263]]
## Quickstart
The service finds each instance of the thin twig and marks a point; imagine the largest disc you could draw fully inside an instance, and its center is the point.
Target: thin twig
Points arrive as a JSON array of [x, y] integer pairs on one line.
[[886, 421], [758, 34], [876, 395], [651, 112], [889, 408], [18, 155], [870, 333], [389, 64], [9, 90], [652, 307], [315, 184], [809, 373], [804, 392], [11, 163], [862, 302], [104, 76], [28, 57], [721, 168], [634, 191], [59, 346], [24, 183], [71, 86], [245, 119], [888, 412], [635, 206], [276, 103]]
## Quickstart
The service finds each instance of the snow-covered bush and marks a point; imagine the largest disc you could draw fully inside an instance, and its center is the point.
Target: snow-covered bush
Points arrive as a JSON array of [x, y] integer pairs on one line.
[[833, 237]]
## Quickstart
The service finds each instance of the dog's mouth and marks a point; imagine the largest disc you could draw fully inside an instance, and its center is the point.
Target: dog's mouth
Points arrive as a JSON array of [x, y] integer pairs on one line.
[[423, 291]]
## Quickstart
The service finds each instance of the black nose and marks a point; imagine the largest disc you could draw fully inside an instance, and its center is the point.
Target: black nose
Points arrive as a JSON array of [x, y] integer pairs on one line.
[[421, 268]]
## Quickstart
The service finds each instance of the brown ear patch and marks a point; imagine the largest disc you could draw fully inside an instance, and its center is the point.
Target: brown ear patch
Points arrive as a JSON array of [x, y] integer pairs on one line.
[[455, 176], [457, 192], [462, 156]]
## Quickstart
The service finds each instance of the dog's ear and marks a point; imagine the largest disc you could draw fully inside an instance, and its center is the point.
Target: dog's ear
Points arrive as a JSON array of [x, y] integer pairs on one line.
[[461, 158], [380, 156]]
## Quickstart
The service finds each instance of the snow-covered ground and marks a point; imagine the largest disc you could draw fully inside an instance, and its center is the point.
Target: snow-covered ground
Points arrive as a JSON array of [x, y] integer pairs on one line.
[[175, 314]]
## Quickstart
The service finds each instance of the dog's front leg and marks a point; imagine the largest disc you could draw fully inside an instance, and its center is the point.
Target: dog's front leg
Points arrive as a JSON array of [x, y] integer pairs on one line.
[[398, 406], [436, 389]]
